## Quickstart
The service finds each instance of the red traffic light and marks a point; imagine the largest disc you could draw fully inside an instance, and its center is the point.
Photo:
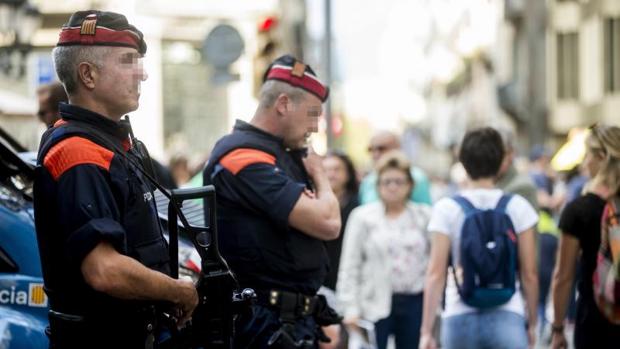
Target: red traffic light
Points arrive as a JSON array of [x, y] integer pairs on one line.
[[267, 24]]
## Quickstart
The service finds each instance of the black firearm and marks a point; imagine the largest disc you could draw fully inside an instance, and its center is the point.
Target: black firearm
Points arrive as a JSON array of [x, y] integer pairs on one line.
[[220, 300]]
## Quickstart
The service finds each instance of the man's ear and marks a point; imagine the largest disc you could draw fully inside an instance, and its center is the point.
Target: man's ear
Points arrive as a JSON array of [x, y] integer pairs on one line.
[[87, 74], [282, 104]]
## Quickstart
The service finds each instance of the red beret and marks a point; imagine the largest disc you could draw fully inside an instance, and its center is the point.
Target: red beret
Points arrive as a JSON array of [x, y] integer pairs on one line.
[[296, 73], [101, 28]]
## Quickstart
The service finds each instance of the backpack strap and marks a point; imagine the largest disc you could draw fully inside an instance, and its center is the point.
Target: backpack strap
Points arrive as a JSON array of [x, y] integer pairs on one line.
[[503, 202], [465, 204]]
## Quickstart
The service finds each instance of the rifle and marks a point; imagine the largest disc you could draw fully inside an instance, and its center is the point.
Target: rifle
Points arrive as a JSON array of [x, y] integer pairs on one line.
[[220, 300]]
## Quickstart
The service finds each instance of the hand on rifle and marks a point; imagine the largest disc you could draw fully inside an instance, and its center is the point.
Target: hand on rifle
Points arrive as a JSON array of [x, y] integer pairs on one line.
[[186, 302]]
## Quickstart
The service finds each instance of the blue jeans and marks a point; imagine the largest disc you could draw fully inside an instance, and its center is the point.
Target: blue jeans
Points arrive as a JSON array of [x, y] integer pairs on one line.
[[404, 322], [485, 329]]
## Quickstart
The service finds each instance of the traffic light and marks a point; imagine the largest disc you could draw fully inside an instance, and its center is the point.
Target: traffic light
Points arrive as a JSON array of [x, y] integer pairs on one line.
[[267, 38]]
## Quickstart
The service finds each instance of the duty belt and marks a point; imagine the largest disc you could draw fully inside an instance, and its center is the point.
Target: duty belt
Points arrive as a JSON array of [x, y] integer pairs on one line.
[[297, 304]]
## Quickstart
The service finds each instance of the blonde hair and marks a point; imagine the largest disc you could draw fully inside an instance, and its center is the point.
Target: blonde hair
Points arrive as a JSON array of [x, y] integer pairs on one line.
[[605, 141]]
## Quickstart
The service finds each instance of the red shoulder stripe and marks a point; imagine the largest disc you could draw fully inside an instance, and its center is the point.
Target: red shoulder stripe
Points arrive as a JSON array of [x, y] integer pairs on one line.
[[238, 159], [75, 151]]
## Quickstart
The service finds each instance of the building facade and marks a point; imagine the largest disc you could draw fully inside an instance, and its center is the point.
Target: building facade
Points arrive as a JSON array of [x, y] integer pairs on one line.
[[583, 41]]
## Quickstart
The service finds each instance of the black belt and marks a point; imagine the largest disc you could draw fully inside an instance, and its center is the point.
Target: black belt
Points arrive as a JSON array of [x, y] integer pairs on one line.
[[298, 304]]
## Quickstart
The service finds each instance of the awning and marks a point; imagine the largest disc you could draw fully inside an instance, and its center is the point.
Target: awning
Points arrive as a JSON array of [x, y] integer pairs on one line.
[[572, 152]]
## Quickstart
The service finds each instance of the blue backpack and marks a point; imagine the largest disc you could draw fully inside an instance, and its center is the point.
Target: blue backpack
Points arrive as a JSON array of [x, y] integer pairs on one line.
[[488, 255]]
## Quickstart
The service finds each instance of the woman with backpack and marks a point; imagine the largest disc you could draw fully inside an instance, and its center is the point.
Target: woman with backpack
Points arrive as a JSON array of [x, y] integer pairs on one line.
[[476, 234], [384, 255], [580, 224]]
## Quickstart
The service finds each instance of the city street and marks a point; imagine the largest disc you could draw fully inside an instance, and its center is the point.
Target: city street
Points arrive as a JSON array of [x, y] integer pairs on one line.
[[269, 174]]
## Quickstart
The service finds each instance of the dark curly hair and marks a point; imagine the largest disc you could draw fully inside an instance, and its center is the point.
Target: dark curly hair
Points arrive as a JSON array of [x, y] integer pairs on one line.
[[352, 185]]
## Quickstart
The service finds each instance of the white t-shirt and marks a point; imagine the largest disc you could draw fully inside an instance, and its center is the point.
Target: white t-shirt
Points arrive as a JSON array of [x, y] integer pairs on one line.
[[447, 218]]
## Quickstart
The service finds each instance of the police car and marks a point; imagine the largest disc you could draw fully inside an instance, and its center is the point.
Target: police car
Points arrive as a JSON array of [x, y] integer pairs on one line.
[[23, 303]]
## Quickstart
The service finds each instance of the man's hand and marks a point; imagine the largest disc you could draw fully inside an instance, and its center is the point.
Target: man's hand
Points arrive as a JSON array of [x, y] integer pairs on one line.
[[314, 165], [186, 302], [317, 214]]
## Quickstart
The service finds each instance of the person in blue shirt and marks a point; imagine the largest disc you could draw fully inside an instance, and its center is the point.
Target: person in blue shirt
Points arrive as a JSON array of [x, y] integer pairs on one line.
[[381, 143]]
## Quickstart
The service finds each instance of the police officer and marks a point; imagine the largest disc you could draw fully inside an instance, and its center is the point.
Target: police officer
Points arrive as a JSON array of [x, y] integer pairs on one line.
[[105, 261], [275, 209]]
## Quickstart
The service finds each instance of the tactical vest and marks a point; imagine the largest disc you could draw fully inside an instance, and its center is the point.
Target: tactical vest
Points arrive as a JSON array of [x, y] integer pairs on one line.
[[105, 317], [261, 253]]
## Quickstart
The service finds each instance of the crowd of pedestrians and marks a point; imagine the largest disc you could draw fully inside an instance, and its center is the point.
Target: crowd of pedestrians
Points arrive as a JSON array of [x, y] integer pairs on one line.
[[398, 264], [477, 268]]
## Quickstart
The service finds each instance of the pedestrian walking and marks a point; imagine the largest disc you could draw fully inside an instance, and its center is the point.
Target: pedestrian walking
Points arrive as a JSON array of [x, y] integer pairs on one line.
[[381, 143], [385, 253], [492, 289], [580, 224]]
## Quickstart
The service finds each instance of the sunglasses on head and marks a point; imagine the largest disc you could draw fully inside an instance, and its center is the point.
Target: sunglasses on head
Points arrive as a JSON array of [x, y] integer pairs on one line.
[[596, 132]]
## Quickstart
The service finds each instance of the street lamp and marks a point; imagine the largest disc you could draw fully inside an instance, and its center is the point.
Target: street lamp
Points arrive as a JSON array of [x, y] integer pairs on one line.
[[19, 21]]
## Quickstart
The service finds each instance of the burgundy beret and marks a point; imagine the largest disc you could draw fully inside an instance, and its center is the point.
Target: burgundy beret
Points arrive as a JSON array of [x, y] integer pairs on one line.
[[101, 28], [296, 73]]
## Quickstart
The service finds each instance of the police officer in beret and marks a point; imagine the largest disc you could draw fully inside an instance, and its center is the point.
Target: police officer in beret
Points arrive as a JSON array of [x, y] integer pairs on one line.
[[275, 210], [104, 257]]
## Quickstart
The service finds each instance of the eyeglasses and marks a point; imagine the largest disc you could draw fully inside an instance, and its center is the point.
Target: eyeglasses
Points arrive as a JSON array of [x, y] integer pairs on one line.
[[399, 182], [378, 148]]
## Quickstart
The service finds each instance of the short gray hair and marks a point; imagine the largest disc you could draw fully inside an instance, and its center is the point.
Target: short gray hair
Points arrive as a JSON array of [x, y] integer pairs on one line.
[[271, 89], [68, 58]]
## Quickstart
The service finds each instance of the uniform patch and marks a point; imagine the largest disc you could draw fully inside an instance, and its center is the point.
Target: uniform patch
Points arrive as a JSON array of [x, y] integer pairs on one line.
[[89, 26], [74, 151], [239, 159]]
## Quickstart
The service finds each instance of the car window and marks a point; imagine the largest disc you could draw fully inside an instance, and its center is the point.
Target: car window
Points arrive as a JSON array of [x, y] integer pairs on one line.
[[7, 265]]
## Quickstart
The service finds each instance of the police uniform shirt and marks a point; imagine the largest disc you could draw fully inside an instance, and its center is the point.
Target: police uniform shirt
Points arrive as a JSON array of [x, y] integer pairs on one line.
[[258, 183], [86, 194]]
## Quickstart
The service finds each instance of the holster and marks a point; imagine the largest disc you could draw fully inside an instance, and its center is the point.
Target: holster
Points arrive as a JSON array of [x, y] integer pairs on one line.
[[293, 306]]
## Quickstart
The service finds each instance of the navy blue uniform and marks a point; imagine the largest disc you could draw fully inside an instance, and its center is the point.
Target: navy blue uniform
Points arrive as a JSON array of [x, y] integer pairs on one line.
[[258, 182], [86, 193]]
